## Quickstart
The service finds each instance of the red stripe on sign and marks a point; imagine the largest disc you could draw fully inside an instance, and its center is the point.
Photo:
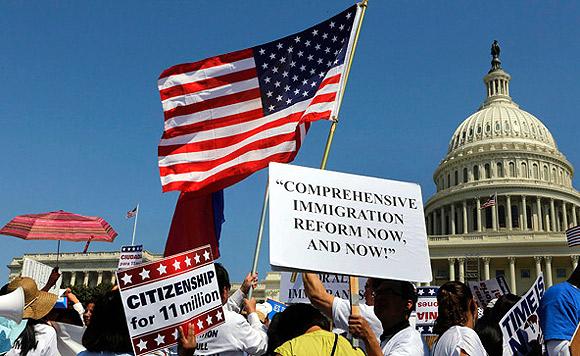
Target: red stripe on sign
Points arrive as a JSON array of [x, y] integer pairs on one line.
[[207, 165], [213, 103], [208, 63], [213, 123], [224, 141], [209, 83]]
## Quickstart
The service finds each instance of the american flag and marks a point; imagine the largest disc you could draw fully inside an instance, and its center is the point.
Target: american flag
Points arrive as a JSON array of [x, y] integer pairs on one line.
[[230, 115], [131, 213], [573, 236], [489, 202]]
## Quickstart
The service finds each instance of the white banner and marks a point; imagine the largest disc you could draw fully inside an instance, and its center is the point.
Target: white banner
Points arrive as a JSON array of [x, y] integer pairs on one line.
[[160, 296], [347, 224], [335, 284], [520, 326], [485, 291], [40, 273], [131, 255]]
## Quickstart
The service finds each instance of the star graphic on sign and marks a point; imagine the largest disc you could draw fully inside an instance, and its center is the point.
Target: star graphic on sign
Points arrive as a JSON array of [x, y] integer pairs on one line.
[[160, 339], [218, 315], [142, 345], [162, 269], [175, 334], [144, 273], [200, 324], [208, 320], [430, 329], [421, 292], [187, 261], [176, 265], [420, 329], [431, 291], [127, 278], [196, 258], [206, 255]]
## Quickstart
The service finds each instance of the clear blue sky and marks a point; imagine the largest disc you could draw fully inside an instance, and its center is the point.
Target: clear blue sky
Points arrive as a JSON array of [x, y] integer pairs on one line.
[[81, 116]]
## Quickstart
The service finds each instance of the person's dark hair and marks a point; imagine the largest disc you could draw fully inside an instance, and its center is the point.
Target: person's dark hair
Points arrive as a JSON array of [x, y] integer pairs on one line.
[[296, 319], [108, 329], [487, 328], [407, 290], [223, 277], [273, 335], [454, 300]]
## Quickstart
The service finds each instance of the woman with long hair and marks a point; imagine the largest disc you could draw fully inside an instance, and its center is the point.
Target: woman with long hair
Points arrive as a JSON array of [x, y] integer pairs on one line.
[[457, 313]]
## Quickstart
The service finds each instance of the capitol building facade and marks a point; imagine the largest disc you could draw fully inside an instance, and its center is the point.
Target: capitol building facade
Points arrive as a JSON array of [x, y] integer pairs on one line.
[[504, 152], [501, 151]]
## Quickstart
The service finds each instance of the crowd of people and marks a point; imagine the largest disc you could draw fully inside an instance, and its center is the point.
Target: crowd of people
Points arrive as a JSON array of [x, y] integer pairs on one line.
[[383, 325]]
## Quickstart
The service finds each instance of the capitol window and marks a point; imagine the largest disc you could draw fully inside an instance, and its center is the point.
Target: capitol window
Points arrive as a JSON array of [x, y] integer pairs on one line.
[[499, 170], [487, 171], [524, 170], [512, 169], [546, 173], [464, 175], [475, 172], [535, 171]]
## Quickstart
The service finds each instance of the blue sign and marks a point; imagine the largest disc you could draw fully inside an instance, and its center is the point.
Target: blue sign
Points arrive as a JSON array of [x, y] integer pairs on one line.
[[277, 307]]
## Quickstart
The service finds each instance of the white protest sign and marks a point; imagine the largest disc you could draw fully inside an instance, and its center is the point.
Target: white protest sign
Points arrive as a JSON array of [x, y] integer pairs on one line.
[[520, 325], [426, 309], [335, 285], [486, 291], [160, 296], [342, 223], [131, 255], [40, 273]]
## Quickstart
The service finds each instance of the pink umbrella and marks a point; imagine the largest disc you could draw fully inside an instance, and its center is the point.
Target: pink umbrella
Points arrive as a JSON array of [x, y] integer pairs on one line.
[[59, 225]]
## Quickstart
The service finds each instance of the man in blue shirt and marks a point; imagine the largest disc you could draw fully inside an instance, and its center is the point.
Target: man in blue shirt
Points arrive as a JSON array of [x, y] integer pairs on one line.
[[560, 314]]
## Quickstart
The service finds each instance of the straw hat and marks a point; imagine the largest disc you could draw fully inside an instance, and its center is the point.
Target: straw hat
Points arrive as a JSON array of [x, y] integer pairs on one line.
[[36, 303]]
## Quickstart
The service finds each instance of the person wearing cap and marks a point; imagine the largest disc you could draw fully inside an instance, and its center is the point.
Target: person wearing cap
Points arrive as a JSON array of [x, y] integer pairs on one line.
[[393, 303], [38, 338]]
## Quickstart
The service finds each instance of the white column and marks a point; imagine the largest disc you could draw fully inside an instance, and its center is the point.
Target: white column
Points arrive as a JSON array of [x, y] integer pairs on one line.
[[113, 277], [547, 225], [574, 218], [553, 215], [539, 214], [465, 230], [574, 261], [99, 277], [524, 224], [548, 274], [564, 215], [442, 220], [451, 268], [461, 269], [478, 215], [512, 261], [538, 260], [486, 268], [508, 202], [86, 279], [452, 219], [73, 279]]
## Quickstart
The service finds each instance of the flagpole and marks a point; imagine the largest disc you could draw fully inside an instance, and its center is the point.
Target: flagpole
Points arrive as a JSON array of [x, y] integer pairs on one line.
[[363, 5], [329, 139], [135, 225]]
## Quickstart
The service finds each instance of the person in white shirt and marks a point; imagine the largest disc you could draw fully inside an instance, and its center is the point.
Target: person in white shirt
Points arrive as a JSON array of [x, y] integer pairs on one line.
[[237, 335], [338, 309], [457, 314], [393, 303]]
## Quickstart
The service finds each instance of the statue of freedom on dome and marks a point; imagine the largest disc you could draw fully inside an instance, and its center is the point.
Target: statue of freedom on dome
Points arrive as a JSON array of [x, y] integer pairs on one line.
[[495, 62]]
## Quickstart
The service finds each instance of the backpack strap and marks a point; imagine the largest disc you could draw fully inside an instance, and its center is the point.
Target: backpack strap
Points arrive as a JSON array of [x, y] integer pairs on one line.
[[334, 345]]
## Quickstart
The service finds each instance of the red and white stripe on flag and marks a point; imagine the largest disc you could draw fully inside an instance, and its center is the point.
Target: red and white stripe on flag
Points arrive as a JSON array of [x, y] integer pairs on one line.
[[230, 115], [573, 236]]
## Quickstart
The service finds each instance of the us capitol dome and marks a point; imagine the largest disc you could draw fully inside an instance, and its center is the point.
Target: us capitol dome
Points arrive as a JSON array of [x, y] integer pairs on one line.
[[504, 151]]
